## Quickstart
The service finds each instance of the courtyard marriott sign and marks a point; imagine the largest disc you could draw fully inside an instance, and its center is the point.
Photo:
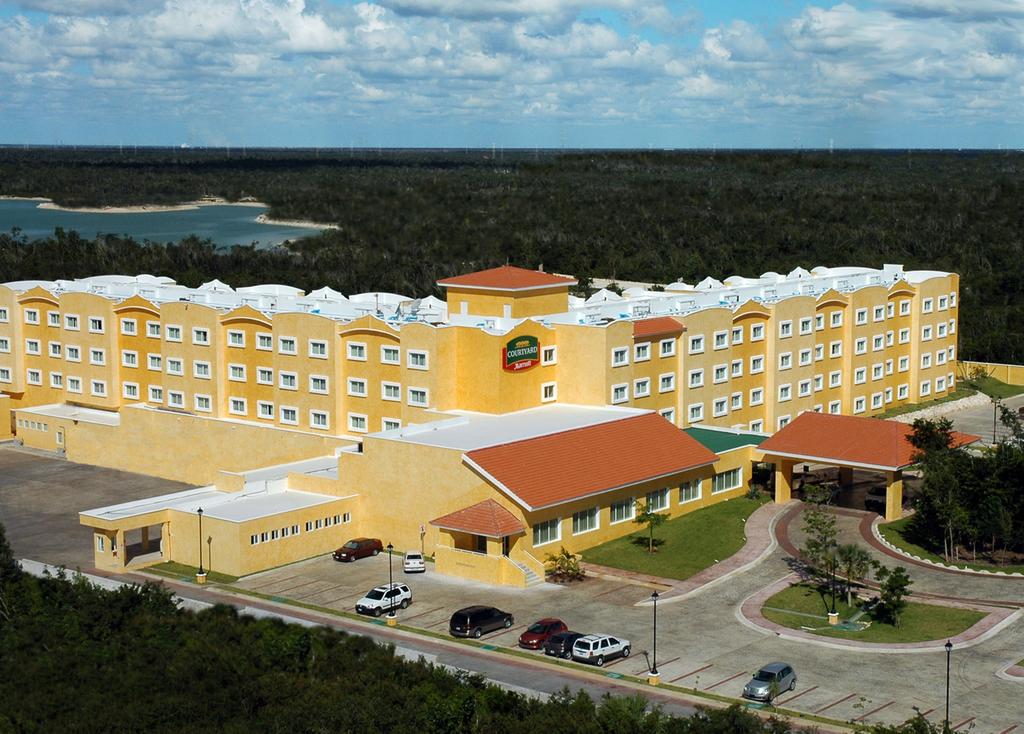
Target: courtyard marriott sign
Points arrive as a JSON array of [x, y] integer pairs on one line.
[[520, 354]]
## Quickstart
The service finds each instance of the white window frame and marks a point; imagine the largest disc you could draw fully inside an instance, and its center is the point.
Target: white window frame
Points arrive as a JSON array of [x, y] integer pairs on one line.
[[240, 369], [409, 396], [624, 388], [642, 352], [314, 415], [548, 392], [283, 343], [356, 387], [666, 382], [384, 385], [203, 403], [385, 348], [549, 356], [264, 341], [319, 390], [234, 334], [313, 345], [620, 356], [200, 336], [242, 407], [292, 377]]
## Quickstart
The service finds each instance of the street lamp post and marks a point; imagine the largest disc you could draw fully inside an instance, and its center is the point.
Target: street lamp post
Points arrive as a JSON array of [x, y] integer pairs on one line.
[[391, 582], [654, 653], [995, 412], [949, 652], [200, 513]]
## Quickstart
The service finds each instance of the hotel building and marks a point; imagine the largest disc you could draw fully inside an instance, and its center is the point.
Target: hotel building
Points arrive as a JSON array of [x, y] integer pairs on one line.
[[213, 385]]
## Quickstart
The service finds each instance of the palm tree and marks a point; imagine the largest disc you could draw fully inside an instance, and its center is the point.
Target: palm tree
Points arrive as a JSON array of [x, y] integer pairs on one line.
[[855, 562]]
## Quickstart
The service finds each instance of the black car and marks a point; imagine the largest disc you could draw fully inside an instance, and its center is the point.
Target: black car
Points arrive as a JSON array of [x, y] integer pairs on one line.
[[560, 644], [475, 621]]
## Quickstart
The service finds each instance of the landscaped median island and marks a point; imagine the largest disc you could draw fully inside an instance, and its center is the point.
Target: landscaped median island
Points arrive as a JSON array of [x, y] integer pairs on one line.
[[900, 533], [684, 545], [805, 607], [181, 571]]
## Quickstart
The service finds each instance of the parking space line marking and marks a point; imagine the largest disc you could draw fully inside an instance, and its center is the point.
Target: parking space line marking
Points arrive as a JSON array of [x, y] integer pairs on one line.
[[874, 711], [1007, 731], [795, 696], [297, 586], [962, 723], [429, 611], [687, 675], [925, 713], [616, 661], [835, 703], [725, 680], [605, 593], [306, 594]]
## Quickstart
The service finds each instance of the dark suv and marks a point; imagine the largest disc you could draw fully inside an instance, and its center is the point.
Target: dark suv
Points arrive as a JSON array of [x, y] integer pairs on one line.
[[475, 621], [358, 548], [560, 644]]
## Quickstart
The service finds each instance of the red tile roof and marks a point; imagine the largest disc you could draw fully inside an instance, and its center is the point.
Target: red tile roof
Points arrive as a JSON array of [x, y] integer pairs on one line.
[[507, 278], [561, 467], [484, 518], [846, 439], [659, 326]]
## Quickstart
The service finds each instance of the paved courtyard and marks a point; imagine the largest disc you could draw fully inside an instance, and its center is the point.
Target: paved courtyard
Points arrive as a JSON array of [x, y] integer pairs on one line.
[[702, 644]]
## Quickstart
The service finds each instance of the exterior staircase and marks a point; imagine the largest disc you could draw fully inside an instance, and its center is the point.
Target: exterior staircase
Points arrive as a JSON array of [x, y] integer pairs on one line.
[[532, 579]]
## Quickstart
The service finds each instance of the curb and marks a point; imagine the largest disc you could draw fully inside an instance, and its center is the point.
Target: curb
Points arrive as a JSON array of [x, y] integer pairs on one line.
[[937, 564], [1012, 672]]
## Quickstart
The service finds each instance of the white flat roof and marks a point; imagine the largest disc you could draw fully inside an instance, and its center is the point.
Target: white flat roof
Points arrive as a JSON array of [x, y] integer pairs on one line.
[[470, 431], [229, 506], [74, 412]]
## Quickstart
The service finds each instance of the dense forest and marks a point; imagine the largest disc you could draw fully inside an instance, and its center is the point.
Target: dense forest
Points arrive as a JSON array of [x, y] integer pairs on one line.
[[74, 657], [407, 218]]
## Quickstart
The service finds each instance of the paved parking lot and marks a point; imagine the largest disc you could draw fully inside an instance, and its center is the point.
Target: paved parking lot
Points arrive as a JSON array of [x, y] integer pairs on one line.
[[41, 495], [701, 643]]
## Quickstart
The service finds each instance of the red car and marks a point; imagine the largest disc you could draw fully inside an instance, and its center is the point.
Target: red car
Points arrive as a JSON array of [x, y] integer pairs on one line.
[[358, 548], [539, 632]]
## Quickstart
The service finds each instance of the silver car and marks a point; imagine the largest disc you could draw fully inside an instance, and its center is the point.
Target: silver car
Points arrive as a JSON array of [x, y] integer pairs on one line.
[[770, 681]]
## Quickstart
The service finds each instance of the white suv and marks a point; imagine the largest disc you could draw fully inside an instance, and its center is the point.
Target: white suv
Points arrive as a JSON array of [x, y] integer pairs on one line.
[[382, 599], [598, 648]]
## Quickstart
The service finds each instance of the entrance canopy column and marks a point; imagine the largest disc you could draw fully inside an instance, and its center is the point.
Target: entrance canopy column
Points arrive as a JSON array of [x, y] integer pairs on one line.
[[893, 495], [783, 480]]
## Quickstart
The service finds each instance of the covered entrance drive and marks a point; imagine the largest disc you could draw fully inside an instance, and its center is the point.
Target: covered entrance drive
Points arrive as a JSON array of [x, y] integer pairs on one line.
[[849, 443], [479, 542]]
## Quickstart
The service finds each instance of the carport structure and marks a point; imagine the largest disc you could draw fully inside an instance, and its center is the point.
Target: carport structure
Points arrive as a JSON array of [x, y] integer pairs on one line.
[[847, 442]]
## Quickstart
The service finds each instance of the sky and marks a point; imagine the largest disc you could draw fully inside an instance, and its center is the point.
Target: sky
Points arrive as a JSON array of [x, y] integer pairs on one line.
[[514, 73]]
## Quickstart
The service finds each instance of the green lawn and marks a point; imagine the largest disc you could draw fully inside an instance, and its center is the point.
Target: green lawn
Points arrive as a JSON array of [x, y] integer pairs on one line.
[[691, 542], [997, 389], [896, 532], [180, 570], [920, 623]]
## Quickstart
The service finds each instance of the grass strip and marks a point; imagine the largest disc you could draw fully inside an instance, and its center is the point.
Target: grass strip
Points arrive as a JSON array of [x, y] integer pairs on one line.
[[897, 533]]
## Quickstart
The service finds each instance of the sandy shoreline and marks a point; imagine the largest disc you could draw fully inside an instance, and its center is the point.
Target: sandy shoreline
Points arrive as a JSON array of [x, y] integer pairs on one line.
[[48, 204], [264, 219]]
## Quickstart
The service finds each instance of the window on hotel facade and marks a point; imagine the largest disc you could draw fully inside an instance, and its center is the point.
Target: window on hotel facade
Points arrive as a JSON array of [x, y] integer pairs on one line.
[[318, 419], [5, 316], [667, 382], [236, 338], [736, 368], [32, 346], [926, 388], [804, 388], [696, 412], [785, 329], [98, 388], [264, 409], [264, 376], [156, 394], [390, 391], [756, 332], [317, 349], [736, 401], [236, 372], [926, 360], [584, 521], [835, 349], [689, 491], [877, 371], [879, 313], [696, 378], [318, 384], [418, 396], [727, 480], [836, 319], [861, 316], [878, 343], [265, 342], [806, 326], [737, 335], [288, 380], [390, 355], [73, 354], [56, 379], [785, 360], [287, 345], [97, 357], [719, 407], [289, 415], [200, 336], [620, 393], [201, 370], [153, 329], [623, 510], [237, 406], [357, 387], [721, 373], [34, 377], [785, 392], [642, 352], [5, 346], [805, 357], [173, 333], [860, 346], [129, 327], [95, 325], [721, 339], [756, 364], [668, 414], [657, 500], [548, 355], [757, 396], [697, 344], [940, 357], [546, 532], [926, 305], [176, 398], [548, 392], [390, 424], [620, 356], [71, 322], [667, 347], [819, 383], [203, 403]]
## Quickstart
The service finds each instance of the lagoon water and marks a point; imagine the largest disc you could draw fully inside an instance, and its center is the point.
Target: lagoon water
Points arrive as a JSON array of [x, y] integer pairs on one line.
[[225, 225]]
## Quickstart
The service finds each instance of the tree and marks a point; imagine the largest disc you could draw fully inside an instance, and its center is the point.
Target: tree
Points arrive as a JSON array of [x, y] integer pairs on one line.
[[895, 587], [564, 566], [855, 563], [650, 518]]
